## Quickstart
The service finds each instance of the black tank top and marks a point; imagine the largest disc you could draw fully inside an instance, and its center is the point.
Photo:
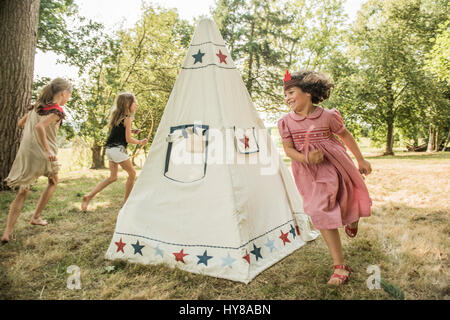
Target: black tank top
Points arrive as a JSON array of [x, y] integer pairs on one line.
[[117, 136]]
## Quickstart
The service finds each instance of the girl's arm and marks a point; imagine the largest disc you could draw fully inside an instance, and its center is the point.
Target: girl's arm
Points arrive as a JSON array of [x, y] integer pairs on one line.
[[364, 165], [21, 122], [314, 156], [41, 135], [128, 136]]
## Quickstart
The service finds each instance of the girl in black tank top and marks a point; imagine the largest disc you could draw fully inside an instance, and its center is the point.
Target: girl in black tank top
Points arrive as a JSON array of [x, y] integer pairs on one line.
[[116, 144], [117, 136]]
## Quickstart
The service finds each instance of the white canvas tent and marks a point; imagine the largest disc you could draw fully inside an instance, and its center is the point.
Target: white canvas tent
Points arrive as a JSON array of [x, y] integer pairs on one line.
[[214, 196]]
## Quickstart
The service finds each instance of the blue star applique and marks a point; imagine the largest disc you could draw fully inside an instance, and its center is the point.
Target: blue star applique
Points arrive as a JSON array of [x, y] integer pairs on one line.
[[137, 248], [159, 252], [292, 231], [204, 258], [270, 244], [228, 261], [257, 252], [198, 57]]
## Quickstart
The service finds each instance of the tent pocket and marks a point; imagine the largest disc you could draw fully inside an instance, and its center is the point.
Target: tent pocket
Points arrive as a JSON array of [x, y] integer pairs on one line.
[[245, 140], [187, 151]]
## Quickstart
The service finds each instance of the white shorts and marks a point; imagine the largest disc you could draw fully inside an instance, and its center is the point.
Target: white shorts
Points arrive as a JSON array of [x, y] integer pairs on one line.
[[117, 154]]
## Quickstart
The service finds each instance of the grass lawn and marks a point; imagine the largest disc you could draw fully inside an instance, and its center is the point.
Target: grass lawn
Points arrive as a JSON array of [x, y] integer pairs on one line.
[[407, 237]]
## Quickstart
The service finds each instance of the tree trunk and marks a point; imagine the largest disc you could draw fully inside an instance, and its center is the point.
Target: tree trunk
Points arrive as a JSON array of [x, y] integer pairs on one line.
[[103, 155], [446, 142], [249, 83], [390, 140], [97, 157], [436, 139], [390, 119], [18, 37], [431, 138]]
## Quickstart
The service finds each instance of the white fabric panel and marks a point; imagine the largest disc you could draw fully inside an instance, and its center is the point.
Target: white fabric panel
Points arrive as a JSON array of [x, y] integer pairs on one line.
[[229, 220]]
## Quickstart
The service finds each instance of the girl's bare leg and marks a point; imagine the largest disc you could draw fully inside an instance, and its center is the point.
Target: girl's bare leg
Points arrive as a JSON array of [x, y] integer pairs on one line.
[[14, 211], [43, 200], [128, 167], [113, 169], [333, 242]]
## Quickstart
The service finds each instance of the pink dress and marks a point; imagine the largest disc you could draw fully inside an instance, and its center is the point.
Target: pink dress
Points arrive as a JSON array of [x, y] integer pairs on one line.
[[334, 193]]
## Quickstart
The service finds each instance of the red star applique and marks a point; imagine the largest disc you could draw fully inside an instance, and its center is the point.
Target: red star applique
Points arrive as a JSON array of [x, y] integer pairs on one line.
[[120, 245], [247, 257], [245, 141], [222, 57], [284, 237], [180, 255]]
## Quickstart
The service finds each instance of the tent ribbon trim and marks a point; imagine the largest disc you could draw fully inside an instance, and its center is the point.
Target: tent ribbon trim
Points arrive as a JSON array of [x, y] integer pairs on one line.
[[200, 44], [211, 64], [204, 245]]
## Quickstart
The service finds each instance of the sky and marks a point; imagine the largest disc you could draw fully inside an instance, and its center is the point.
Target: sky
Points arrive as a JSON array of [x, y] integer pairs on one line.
[[115, 12]]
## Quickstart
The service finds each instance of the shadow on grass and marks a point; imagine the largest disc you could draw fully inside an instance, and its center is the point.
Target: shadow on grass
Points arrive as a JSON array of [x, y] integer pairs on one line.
[[422, 156], [413, 156], [82, 239]]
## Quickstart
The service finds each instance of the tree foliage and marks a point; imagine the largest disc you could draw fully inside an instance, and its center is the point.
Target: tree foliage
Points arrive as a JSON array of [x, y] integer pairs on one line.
[[63, 31], [390, 67], [266, 37], [143, 60], [388, 44]]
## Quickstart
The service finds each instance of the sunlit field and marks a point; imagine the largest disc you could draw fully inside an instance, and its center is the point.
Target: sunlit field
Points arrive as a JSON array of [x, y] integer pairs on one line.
[[407, 238]]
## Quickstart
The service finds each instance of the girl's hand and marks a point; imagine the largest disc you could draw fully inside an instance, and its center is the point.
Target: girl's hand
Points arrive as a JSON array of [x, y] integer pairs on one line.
[[50, 156], [143, 142], [364, 167], [315, 156], [135, 131]]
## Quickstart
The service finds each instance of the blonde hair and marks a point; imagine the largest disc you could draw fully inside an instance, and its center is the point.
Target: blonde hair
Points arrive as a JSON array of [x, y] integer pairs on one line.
[[49, 91], [122, 108]]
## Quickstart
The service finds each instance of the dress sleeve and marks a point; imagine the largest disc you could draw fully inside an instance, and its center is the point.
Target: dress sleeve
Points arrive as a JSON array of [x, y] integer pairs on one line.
[[336, 122], [284, 130]]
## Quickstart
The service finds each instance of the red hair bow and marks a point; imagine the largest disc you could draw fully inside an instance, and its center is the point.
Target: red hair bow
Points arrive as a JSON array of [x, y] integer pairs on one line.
[[287, 76]]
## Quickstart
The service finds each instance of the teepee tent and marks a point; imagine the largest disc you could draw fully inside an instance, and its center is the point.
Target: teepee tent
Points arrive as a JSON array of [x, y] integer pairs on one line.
[[214, 196]]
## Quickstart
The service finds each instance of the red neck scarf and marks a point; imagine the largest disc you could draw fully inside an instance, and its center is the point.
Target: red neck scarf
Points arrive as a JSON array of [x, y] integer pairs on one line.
[[54, 106]]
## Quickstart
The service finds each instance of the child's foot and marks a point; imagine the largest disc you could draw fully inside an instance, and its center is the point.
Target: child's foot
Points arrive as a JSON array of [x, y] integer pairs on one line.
[[5, 239], [38, 222], [340, 276], [84, 203]]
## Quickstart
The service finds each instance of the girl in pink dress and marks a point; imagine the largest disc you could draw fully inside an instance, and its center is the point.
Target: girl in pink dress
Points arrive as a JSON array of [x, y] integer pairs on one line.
[[333, 190]]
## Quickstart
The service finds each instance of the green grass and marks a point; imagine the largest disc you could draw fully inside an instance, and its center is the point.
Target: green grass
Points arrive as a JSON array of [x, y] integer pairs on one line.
[[407, 236]]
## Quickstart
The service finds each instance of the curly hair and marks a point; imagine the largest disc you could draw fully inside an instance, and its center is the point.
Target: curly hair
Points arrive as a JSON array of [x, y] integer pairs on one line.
[[317, 84]]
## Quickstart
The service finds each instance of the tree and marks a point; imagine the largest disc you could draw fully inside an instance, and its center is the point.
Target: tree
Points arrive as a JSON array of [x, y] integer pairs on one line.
[[253, 31], [18, 36], [73, 44], [438, 59], [143, 60], [438, 63], [153, 51], [388, 43], [266, 37]]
